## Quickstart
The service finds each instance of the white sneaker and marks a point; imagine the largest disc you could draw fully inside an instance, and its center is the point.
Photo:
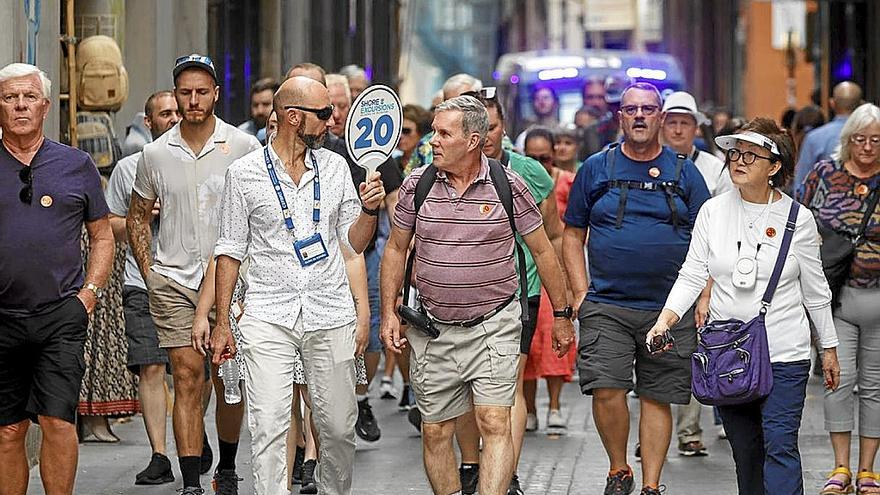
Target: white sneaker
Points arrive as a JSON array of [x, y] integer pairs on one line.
[[386, 389], [531, 422], [721, 433], [555, 420]]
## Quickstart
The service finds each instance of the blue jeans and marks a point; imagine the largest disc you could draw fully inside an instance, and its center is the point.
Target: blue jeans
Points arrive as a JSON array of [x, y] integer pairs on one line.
[[764, 435], [372, 257]]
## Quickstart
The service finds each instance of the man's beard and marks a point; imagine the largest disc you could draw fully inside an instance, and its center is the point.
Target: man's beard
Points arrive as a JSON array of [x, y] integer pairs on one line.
[[312, 141]]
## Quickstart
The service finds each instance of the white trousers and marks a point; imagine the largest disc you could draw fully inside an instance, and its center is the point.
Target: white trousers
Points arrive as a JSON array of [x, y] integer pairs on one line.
[[328, 359]]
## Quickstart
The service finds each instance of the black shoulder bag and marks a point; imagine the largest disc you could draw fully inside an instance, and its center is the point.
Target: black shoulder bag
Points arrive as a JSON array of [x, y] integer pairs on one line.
[[838, 250]]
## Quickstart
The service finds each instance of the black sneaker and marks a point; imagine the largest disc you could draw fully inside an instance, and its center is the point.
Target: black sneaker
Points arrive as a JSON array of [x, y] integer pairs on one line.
[[308, 478], [298, 465], [207, 459], [191, 490], [650, 490], [514, 487], [366, 426], [156, 473], [415, 418], [406, 399], [469, 475], [692, 449], [225, 482], [619, 483]]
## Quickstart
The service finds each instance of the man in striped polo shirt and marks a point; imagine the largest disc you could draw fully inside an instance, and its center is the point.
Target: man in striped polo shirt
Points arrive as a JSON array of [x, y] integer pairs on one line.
[[464, 271]]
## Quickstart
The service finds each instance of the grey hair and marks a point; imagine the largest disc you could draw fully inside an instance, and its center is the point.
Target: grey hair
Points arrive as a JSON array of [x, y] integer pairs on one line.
[[863, 116], [353, 71], [461, 80], [474, 117], [643, 86], [16, 70], [339, 79]]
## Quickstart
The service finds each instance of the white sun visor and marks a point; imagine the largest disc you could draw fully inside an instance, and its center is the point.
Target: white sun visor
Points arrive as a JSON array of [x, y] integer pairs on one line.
[[727, 142]]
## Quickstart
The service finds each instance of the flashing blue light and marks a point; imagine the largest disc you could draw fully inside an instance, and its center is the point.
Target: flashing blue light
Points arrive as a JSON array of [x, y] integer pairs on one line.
[[496, 75], [552, 74], [844, 69], [642, 73], [514, 79], [368, 70]]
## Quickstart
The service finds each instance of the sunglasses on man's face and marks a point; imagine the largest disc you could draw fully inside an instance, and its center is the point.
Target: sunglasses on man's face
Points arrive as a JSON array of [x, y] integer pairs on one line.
[[322, 113], [484, 94], [26, 176], [545, 159]]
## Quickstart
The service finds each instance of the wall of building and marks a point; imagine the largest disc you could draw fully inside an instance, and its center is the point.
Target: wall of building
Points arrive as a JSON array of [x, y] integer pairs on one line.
[[765, 80], [156, 33]]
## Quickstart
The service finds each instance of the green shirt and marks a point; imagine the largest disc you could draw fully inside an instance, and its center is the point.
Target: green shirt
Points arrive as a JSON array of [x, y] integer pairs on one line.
[[541, 185]]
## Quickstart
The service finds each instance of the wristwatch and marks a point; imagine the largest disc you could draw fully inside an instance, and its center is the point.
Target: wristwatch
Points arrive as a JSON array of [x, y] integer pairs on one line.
[[565, 312], [94, 288]]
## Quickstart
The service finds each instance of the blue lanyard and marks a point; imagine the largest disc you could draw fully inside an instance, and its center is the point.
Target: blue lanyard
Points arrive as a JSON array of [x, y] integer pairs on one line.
[[276, 184]]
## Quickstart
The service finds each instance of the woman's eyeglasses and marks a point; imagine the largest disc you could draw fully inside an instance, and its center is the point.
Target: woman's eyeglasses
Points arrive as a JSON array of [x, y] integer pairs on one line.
[[860, 140], [26, 176], [406, 131], [746, 157], [322, 113]]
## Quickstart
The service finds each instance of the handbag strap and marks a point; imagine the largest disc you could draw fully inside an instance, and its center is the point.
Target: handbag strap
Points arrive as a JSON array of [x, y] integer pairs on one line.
[[780, 258], [869, 212]]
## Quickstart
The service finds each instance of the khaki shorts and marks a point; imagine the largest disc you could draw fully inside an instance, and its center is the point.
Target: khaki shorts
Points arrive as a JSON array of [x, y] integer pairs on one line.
[[173, 308], [464, 367]]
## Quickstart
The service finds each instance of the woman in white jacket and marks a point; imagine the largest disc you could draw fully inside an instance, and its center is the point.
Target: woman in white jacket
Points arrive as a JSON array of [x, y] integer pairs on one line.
[[747, 225]]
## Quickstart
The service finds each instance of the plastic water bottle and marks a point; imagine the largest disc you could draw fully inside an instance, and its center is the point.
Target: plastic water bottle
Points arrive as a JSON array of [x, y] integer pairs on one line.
[[229, 374]]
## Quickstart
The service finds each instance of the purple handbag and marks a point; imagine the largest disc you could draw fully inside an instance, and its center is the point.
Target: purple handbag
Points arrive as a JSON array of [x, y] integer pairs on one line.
[[732, 362]]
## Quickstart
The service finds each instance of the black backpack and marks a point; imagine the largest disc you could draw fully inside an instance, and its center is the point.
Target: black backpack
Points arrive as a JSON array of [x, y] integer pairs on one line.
[[505, 195], [669, 188]]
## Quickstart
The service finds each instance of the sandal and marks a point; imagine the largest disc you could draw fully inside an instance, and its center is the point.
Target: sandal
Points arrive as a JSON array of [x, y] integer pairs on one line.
[[867, 482], [835, 486]]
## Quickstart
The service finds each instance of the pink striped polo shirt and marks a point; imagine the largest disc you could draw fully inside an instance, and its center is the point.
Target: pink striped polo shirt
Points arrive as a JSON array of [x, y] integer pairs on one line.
[[465, 264]]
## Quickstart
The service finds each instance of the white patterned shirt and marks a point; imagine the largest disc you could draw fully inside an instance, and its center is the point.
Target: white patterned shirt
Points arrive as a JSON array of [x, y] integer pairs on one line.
[[280, 289]]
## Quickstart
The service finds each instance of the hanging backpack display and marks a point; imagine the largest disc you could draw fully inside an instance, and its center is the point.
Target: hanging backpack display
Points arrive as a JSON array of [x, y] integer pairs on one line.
[[101, 77]]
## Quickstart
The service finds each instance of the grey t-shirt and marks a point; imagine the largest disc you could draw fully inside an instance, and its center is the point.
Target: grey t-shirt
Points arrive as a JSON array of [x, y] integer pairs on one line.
[[118, 195]]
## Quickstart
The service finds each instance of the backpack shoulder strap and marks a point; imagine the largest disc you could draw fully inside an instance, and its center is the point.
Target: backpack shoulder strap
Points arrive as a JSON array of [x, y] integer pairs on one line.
[[679, 164], [423, 187], [502, 187]]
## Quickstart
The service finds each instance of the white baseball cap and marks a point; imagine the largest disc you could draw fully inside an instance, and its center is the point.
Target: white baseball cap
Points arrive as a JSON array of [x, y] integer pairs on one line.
[[683, 102], [727, 142]]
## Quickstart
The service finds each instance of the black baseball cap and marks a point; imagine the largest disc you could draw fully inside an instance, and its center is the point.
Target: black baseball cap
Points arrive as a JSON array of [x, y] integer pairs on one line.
[[195, 60]]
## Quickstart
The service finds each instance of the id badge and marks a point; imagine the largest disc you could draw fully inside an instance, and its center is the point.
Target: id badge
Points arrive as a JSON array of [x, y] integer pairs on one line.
[[310, 250]]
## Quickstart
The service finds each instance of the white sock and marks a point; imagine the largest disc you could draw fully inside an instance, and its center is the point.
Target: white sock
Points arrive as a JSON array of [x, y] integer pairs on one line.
[[361, 398]]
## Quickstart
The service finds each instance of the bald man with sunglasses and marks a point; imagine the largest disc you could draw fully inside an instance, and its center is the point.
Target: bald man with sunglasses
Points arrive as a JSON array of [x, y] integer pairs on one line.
[[293, 209]]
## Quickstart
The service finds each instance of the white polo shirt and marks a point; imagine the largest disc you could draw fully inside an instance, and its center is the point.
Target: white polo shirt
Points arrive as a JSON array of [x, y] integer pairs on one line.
[[189, 187], [712, 169]]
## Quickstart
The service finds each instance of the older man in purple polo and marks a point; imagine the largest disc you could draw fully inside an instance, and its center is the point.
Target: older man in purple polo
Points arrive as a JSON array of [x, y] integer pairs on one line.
[[467, 281], [47, 192]]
